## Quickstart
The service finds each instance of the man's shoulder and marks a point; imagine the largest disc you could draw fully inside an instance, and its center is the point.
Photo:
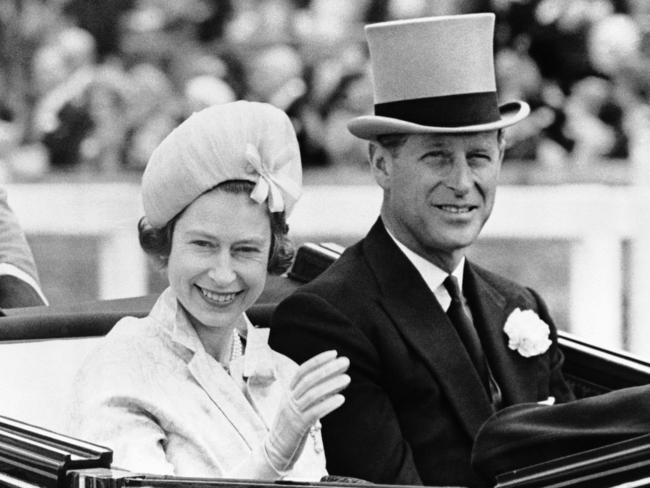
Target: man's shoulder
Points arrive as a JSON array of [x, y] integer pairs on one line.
[[505, 286], [347, 289], [350, 274]]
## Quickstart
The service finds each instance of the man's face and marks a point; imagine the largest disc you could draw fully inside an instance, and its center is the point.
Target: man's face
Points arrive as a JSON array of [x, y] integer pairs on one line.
[[438, 191]]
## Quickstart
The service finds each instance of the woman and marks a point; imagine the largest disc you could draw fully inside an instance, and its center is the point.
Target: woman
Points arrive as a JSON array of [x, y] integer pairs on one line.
[[193, 389]]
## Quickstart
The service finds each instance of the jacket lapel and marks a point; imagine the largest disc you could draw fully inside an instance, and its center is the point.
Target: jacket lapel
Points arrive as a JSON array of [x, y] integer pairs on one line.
[[490, 309], [227, 396], [426, 328], [206, 371], [257, 369]]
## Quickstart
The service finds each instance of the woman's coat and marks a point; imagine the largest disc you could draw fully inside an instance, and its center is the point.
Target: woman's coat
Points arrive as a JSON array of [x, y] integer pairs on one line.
[[152, 394]]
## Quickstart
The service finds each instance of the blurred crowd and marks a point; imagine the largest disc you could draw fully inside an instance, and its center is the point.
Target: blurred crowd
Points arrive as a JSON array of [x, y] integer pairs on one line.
[[94, 85]]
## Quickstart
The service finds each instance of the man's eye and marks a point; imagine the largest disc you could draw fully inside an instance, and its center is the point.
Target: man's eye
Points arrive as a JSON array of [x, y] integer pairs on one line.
[[201, 243], [434, 155], [480, 158], [247, 250], [435, 159]]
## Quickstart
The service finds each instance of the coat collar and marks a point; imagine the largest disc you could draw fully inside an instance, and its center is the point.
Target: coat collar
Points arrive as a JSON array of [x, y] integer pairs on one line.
[[426, 327], [253, 373]]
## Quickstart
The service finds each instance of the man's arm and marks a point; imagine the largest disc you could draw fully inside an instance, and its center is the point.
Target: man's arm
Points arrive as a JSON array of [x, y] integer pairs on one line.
[[362, 438], [19, 284], [526, 434]]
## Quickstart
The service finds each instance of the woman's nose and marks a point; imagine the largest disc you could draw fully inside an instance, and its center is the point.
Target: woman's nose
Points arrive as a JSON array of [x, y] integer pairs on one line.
[[222, 271]]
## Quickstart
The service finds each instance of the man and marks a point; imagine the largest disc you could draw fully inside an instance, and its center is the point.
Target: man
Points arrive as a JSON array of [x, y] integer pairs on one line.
[[428, 366], [19, 284]]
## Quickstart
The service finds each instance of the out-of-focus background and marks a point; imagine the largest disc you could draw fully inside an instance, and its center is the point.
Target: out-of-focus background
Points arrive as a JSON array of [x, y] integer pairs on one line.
[[89, 87]]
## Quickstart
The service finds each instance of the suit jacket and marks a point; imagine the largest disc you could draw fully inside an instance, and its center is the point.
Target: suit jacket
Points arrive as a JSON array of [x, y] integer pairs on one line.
[[154, 395], [415, 401]]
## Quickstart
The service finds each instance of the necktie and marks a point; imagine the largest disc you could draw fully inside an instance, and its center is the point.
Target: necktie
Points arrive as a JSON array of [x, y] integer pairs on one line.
[[461, 319]]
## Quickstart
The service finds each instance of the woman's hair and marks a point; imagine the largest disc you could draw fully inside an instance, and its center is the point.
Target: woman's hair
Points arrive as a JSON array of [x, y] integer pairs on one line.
[[157, 242]]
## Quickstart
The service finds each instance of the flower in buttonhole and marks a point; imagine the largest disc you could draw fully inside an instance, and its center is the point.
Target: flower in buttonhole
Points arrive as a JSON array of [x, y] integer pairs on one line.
[[527, 333]]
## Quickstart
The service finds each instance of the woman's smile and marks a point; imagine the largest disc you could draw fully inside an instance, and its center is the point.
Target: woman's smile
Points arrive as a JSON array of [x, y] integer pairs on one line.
[[219, 298]]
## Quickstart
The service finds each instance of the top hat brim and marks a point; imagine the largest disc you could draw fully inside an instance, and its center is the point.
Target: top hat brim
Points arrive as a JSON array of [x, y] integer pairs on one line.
[[370, 127]]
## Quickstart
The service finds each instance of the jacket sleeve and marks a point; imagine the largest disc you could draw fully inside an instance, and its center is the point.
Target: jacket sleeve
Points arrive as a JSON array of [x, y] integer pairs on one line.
[[527, 434], [362, 438], [109, 406], [19, 283]]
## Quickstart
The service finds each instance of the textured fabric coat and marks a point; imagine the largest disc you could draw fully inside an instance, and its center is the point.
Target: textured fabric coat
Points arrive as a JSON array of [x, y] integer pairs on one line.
[[154, 395], [415, 401]]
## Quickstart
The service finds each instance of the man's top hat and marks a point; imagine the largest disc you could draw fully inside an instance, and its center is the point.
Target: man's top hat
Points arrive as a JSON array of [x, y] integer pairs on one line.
[[434, 75]]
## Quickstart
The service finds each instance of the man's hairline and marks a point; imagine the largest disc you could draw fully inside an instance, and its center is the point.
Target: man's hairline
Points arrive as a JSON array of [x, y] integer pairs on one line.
[[393, 149]]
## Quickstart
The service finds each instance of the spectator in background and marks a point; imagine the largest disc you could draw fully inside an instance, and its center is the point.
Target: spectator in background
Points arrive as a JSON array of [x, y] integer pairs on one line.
[[19, 283], [276, 74], [204, 90], [349, 98], [259, 22], [154, 109], [518, 77], [102, 19], [301, 54], [63, 65], [91, 128], [617, 49], [594, 122], [106, 101]]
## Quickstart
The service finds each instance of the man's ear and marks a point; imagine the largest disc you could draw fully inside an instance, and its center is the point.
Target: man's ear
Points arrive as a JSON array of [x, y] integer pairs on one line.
[[502, 145], [380, 163]]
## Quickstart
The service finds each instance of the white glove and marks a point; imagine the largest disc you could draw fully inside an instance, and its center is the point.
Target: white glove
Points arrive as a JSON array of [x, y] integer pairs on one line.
[[313, 393]]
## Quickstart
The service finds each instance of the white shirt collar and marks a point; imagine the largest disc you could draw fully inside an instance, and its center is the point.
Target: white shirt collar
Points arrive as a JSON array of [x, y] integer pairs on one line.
[[432, 275]]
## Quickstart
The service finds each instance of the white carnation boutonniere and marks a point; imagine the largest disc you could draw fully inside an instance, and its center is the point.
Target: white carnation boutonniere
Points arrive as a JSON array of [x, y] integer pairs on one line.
[[527, 333]]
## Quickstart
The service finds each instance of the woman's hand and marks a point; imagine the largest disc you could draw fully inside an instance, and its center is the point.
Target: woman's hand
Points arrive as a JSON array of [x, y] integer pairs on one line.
[[313, 393]]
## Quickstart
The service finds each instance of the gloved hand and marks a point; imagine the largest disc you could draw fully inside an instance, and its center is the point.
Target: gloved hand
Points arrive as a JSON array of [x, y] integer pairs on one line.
[[313, 393]]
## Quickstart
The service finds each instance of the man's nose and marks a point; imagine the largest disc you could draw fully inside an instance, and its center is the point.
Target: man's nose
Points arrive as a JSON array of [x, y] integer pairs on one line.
[[459, 178], [222, 271]]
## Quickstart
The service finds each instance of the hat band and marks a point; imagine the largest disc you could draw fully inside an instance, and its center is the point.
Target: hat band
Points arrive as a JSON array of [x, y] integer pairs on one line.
[[448, 111]]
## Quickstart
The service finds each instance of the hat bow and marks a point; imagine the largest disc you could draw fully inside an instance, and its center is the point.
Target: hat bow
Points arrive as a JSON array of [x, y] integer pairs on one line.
[[274, 183]]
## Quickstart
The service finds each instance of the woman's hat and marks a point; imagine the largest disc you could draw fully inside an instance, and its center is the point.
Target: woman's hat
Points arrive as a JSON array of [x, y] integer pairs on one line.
[[235, 141], [434, 75]]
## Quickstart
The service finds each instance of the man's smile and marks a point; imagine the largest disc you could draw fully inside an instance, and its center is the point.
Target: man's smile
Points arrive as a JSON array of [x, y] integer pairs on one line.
[[457, 209]]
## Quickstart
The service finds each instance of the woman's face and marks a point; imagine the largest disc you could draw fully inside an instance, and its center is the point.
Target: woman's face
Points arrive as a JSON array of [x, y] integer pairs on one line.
[[218, 259]]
